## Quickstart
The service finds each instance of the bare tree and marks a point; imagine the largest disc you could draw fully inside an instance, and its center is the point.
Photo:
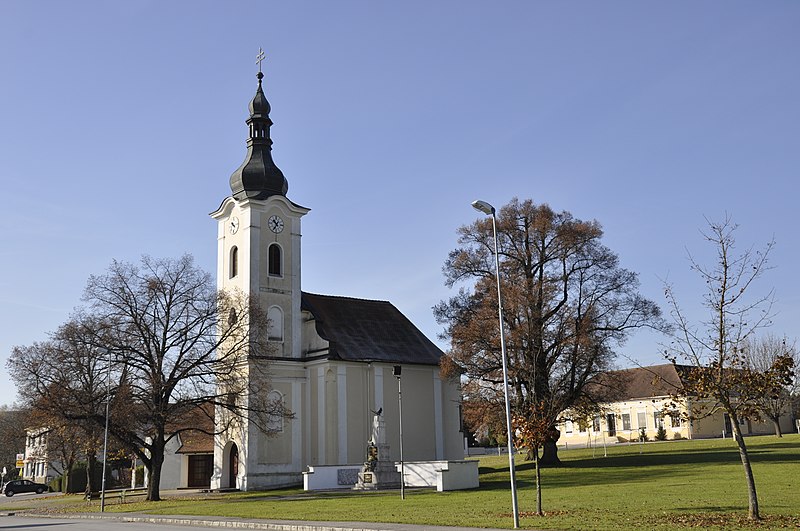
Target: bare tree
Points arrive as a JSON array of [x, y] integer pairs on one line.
[[174, 347], [718, 376], [567, 304], [763, 354]]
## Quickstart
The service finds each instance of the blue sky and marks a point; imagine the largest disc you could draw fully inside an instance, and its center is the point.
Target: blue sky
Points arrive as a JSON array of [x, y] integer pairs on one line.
[[121, 122]]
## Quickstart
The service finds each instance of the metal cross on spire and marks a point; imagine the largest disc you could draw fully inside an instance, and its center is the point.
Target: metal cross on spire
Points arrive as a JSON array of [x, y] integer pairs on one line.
[[259, 58]]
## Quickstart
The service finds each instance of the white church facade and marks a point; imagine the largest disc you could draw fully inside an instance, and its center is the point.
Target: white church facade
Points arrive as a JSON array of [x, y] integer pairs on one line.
[[333, 356]]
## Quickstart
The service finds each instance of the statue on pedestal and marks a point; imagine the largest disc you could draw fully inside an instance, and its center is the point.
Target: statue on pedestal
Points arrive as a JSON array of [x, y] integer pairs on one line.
[[378, 472], [378, 429]]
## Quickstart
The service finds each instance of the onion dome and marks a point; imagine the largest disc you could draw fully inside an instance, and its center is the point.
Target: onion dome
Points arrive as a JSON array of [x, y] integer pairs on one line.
[[258, 177]]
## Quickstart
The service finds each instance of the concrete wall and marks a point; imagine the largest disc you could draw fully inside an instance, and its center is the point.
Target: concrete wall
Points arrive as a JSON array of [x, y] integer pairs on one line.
[[173, 471], [324, 477], [444, 475]]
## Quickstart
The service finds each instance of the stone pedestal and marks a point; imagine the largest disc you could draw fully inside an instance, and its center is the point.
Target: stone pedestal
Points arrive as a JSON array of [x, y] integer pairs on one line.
[[378, 472]]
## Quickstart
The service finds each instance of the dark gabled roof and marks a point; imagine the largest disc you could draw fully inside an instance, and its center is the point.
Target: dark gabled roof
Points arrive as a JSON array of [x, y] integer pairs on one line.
[[364, 330], [644, 382]]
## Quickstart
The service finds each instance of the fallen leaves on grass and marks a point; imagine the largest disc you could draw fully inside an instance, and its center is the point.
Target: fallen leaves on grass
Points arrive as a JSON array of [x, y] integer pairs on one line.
[[727, 520]]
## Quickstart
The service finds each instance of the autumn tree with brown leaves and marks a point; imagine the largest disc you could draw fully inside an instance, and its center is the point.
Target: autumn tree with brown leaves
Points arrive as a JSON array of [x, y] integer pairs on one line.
[[176, 348], [717, 375], [68, 441], [12, 438], [532, 432], [567, 305]]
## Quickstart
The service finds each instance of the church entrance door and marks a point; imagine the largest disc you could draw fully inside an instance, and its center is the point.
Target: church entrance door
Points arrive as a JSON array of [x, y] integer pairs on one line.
[[201, 467], [234, 466]]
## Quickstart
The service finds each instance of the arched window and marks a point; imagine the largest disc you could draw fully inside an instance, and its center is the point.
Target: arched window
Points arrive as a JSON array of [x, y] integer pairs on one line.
[[275, 416], [274, 260], [232, 318], [275, 327], [234, 263]]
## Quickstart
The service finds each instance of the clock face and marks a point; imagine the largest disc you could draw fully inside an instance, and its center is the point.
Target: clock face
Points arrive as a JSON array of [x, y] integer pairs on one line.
[[275, 224], [233, 225]]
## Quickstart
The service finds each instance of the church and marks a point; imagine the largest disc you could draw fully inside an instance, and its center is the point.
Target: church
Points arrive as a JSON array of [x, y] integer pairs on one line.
[[335, 357]]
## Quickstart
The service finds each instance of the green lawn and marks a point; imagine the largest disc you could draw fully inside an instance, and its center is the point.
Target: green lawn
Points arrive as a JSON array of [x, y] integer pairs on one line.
[[652, 486]]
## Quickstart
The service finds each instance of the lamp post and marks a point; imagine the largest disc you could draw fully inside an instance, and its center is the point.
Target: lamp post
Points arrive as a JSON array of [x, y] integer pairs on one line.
[[396, 371], [105, 437], [489, 210]]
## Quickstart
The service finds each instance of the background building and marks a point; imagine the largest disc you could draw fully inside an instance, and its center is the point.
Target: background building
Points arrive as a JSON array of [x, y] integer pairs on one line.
[[644, 401]]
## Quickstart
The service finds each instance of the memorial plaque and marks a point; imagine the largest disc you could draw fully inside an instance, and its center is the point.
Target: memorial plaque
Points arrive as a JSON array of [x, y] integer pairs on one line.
[[347, 477], [367, 477]]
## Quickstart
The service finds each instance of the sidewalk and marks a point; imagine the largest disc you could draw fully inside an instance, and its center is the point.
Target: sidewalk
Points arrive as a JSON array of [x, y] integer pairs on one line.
[[242, 523]]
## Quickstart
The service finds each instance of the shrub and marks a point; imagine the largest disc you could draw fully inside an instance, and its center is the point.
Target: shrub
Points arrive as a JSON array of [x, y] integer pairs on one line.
[[661, 434], [76, 481], [55, 484], [677, 436], [643, 435], [77, 478]]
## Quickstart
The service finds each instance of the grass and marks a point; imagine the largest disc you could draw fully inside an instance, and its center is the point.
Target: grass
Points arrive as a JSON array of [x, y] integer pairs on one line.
[[656, 486]]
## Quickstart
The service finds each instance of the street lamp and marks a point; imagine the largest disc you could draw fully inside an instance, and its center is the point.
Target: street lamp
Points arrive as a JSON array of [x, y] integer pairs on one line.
[[396, 371], [105, 438], [488, 209]]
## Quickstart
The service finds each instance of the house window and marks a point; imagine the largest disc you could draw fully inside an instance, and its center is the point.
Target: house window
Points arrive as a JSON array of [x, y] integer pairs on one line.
[[626, 422], [675, 419], [582, 425], [658, 419], [596, 424], [275, 326], [641, 419], [234, 262], [274, 260], [568, 426], [611, 422], [232, 318]]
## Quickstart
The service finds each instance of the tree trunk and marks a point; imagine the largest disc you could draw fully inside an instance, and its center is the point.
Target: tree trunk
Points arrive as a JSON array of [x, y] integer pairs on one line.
[[752, 512], [776, 422], [65, 477], [91, 459], [550, 449], [154, 483]]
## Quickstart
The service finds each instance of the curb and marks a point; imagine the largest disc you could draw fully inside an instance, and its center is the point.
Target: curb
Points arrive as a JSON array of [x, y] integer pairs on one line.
[[243, 524]]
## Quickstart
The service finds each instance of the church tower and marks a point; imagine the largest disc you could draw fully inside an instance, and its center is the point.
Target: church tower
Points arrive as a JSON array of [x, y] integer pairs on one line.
[[258, 235], [258, 253]]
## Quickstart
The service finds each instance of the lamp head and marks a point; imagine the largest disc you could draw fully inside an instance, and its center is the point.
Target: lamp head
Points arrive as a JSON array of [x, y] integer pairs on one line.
[[483, 206]]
